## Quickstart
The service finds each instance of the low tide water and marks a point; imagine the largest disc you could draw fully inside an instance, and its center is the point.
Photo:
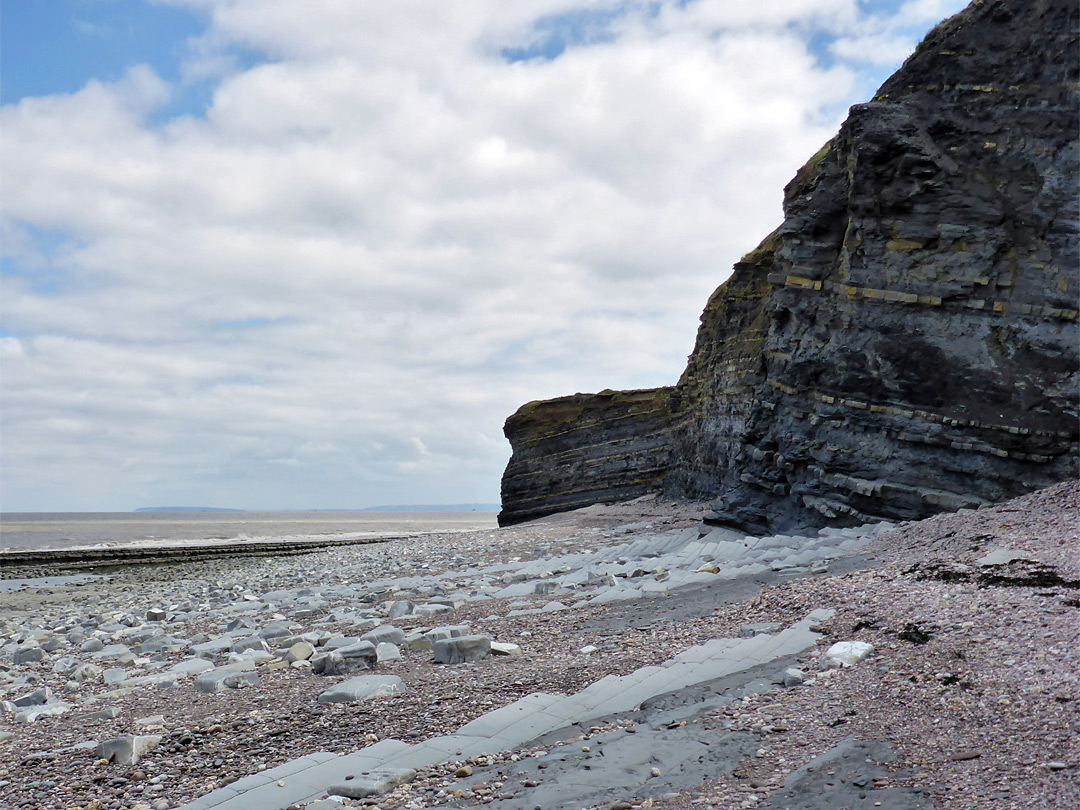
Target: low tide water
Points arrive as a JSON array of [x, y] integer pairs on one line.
[[27, 530]]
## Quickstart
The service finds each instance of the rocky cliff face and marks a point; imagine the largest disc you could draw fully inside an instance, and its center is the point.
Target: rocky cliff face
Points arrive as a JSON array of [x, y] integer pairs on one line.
[[584, 449], [907, 341]]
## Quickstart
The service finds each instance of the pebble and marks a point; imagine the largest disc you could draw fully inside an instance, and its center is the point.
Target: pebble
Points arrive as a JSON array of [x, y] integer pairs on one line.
[[792, 677], [963, 756], [252, 715]]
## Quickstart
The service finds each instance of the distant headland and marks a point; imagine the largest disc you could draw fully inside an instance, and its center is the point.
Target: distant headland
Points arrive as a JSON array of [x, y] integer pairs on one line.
[[184, 509], [453, 507]]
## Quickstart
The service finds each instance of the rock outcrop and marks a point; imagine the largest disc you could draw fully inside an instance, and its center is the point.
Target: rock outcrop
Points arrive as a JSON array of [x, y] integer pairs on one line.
[[905, 343], [579, 450]]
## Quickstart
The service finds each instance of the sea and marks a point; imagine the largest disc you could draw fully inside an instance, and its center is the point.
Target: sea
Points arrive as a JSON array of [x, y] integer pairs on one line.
[[36, 530]]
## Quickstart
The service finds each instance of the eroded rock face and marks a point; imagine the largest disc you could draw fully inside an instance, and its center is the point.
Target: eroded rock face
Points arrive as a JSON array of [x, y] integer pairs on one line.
[[907, 341], [578, 450]]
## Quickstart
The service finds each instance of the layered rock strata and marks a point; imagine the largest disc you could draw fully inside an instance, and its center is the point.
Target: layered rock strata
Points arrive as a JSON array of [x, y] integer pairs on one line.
[[907, 341], [582, 449]]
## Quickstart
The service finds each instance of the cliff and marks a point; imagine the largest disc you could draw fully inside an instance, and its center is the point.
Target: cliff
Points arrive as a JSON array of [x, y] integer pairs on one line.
[[583, 449], [906, 342]]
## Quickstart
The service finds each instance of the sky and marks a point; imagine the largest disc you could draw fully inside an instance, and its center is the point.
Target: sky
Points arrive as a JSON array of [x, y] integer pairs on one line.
[[264, 254]]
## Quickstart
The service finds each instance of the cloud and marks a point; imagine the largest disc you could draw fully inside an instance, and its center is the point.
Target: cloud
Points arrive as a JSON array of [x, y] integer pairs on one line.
[[384, 235], [873, 49]]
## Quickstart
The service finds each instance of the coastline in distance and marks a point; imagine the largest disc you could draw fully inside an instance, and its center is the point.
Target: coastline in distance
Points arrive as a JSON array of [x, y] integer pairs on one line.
[[453, 507]]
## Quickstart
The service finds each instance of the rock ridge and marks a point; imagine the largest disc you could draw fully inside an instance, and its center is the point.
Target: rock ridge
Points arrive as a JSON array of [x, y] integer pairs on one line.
[[577, 450], [906, 342]]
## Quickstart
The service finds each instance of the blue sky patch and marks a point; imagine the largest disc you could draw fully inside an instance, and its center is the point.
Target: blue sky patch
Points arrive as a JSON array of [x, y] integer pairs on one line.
[[46, 275], [49, 281], [50, 47], [819, 44], [56, 46], [555, 34]]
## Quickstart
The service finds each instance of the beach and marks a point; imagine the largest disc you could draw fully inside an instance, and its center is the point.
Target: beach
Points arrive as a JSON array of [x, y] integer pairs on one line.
[[60, 530], [670, 639]]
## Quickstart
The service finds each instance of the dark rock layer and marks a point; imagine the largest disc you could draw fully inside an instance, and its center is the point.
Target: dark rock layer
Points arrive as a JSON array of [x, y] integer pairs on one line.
[[583, 449], [906, 342]]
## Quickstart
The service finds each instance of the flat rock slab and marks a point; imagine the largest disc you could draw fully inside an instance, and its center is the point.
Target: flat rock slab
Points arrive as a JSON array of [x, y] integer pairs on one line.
[[619, 764], [385, 633], [757, 628], [338, 643], [227, 677], [686, 758], [842, 776], [431, 610], [363, 687], [343, 660], [1001, 556], [509, 650], [34, 713], [192, 666], [28, 655], [362, 651], [112, 651], [372, 783], [36, 698], [213, 647], [461, 649], [249, 643], [447, 631], [127, 750]]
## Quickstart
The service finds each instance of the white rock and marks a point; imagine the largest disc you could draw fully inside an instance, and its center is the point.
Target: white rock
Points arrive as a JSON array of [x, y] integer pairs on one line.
[[845, 654], [300, 651], [32, 714], [385, 651]]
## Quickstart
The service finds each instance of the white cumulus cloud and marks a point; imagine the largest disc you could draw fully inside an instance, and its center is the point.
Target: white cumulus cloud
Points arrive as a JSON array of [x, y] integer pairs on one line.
[[399, 223]]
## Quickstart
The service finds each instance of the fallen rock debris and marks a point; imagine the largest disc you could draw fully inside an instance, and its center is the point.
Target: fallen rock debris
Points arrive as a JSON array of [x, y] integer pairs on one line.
[[736, 689]]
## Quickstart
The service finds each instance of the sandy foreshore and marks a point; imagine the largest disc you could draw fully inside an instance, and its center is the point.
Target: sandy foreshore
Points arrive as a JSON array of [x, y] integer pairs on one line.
[[973, 685]]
